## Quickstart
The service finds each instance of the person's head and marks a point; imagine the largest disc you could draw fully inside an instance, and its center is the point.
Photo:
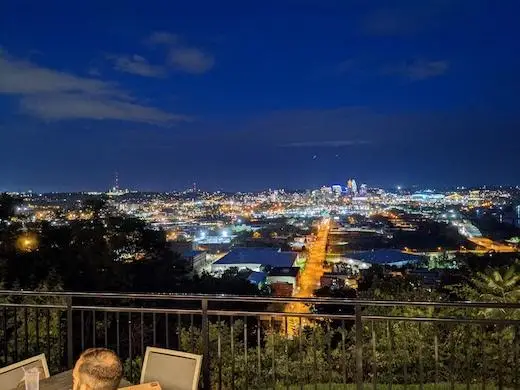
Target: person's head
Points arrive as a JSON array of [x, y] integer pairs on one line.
[[97, 369]]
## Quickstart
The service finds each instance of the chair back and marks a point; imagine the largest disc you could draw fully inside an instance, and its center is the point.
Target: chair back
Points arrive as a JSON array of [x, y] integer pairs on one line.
[[174, 370], [12, 375]]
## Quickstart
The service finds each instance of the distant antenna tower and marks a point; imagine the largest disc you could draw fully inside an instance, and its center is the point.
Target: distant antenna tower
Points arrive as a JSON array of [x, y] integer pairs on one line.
[[194, 187], [116, 181]]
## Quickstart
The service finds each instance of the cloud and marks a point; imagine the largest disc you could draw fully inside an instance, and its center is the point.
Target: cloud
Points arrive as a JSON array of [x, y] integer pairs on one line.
[[137, 65], [22, 77], [190, 60], [162, 38], [71, 106], [180, 56], [53, 95], [419, 69], [406, 18], [94, 72], [325, 144]]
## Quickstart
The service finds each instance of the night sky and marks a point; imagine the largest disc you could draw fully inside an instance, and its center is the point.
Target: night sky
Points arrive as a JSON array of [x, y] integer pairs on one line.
[[241, 95]]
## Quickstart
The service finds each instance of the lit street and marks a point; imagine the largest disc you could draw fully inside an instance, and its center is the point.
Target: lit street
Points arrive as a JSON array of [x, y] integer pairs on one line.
[[311, 274]]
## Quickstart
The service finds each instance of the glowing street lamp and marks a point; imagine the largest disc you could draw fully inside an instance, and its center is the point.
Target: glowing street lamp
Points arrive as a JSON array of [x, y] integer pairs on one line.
[[27, 242]]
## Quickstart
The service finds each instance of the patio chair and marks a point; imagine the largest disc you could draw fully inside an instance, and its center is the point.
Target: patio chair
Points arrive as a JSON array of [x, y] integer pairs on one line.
[[174, 370], [12, 375]]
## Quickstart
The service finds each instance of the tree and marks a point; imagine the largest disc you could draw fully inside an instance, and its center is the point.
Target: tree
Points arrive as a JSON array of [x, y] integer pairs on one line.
[[499, 285], [8, 205]]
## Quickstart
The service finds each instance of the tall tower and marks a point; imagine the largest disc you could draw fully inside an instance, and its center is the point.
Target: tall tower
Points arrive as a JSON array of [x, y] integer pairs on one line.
[[354, 187], [116, 181]]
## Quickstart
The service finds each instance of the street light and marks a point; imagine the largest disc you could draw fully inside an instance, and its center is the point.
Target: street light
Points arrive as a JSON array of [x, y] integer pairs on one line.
[[27, 242]]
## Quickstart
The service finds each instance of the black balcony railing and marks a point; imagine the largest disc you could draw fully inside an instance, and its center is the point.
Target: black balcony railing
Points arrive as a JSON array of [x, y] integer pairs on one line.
[[260, 342]]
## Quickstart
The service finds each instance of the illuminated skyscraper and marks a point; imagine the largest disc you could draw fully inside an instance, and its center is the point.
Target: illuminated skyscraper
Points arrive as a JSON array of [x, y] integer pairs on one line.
[[354, 187]]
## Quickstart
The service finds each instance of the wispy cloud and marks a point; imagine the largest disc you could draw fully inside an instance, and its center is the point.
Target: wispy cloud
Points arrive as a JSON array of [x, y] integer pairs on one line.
[[181, 56], [325, 144], [162, 38], [419, 69], [404, 18], [138, 65], [54, 95], [190, 60], [71, 106], [94, 72]]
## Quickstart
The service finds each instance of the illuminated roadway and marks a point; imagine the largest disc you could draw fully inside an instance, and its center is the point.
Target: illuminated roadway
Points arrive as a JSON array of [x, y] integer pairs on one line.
[[310, 276], [490, 245]]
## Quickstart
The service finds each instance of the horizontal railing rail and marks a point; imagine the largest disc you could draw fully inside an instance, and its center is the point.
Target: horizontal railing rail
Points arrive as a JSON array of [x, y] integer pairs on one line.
[[259, 299], [254, 342]]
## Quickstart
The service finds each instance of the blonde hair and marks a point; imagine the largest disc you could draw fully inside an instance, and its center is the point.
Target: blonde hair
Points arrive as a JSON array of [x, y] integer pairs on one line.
[[100, 369]]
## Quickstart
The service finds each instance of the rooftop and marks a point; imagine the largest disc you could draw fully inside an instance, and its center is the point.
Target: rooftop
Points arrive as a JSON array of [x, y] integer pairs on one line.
[[284, 271], [256, 277], [263, 256], [384, 256]]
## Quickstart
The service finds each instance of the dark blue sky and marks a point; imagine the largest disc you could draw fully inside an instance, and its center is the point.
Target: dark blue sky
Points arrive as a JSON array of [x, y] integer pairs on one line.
[[251, 95]]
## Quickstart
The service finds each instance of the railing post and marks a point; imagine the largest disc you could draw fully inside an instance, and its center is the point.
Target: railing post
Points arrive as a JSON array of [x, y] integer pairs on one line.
[[206, 374], [359, 349], [70, 338]]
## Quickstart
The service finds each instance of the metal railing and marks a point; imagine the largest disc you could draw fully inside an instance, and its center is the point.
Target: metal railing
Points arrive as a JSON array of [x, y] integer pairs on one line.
[[254, 342]]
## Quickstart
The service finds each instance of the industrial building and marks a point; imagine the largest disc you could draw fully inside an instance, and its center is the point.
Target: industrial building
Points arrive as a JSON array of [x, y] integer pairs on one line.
[[254, 259]]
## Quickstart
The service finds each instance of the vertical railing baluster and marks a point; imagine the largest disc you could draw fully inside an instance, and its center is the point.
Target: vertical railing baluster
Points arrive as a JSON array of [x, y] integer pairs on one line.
[[206, 371], [117, 334], [406, 355], [329, 354], [359, 348], [15, 336], [436, 352], [130, 343], [166, 330], [273, 368], [500, 330], [37, 330], [26, 331], [483, 352], [300, 352], [468, 357], [6, 345], [516, 356], [82, 331], [94, 328], [219, 352], [390, 334], [59, 339], [48, 326], [192, 334], [314, 359], [374, 357], [258, 346], [154, 323], [105, 325], [421, 366], [70, 336], [286, 353], [142, 334], [451, 348], [179, 341], [246, 368], [344, 352], [232, 345]]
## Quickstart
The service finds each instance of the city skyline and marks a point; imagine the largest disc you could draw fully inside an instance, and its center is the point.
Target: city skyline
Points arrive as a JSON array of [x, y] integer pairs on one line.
[[243, 98]]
